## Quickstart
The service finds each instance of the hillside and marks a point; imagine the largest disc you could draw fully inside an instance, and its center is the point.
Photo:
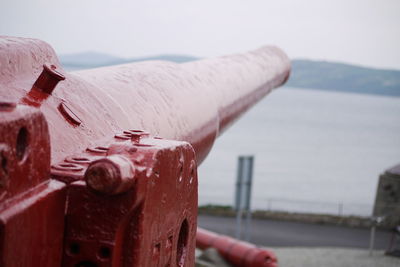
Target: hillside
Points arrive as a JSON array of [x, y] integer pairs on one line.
[[321, 75], [343, 77]]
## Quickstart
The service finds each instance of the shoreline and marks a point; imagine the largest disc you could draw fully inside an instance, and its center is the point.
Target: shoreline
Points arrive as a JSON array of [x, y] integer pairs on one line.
[[312, 218]]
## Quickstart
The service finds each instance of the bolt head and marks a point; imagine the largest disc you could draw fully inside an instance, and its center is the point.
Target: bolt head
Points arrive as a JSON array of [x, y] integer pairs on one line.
[[111, 175]]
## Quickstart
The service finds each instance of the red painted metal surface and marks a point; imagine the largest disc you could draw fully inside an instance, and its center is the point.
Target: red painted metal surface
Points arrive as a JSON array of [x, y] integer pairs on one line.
[[31, 205], [82, 149], [239, 253], [138, 206]]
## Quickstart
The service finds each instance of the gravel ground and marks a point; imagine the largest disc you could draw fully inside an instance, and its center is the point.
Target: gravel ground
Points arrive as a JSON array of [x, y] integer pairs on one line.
[[332, 257]]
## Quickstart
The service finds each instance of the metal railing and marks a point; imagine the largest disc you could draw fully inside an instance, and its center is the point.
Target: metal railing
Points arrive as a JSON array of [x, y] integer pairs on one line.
[[339, 208], [319, 207]]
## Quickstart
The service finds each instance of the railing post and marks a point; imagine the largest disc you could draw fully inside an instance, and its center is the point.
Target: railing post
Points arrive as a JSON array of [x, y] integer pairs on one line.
[[340, 208], [243, 194]]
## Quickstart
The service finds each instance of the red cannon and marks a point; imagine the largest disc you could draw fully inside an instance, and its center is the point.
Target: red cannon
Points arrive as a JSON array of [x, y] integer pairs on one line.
[[99, 167]]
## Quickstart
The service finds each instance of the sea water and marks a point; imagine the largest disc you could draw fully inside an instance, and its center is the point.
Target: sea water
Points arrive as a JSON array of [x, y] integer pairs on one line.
[[315, 151]]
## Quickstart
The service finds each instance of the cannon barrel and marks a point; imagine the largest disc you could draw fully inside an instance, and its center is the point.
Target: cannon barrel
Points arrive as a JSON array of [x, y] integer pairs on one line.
[[194, 101], [99, 166]]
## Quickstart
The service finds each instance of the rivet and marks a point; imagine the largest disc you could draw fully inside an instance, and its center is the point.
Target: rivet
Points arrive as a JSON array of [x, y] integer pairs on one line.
[[123, 136], [79, 160], [67, 167], [143, 145], [136, 135], [99, 149], [7, 106]]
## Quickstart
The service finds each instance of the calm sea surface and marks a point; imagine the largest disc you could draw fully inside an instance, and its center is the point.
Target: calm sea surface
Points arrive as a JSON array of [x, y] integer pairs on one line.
[[314, 151]]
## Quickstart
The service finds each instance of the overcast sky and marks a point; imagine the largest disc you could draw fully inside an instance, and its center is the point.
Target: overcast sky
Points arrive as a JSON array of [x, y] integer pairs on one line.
[[363, 32]]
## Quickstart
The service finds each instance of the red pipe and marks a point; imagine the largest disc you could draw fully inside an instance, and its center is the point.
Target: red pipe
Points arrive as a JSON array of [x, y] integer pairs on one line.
[[238, 253]]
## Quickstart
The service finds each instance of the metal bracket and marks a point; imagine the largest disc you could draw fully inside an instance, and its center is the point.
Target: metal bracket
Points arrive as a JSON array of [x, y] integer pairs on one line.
[[144, 189]]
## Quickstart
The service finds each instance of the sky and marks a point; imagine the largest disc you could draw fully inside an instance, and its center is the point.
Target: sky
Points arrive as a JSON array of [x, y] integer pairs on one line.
[[361, 32]]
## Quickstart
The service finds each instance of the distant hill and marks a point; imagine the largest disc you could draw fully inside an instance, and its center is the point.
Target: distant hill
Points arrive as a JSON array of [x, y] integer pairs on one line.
[[321, 75], [89, 59], [343, 77]]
